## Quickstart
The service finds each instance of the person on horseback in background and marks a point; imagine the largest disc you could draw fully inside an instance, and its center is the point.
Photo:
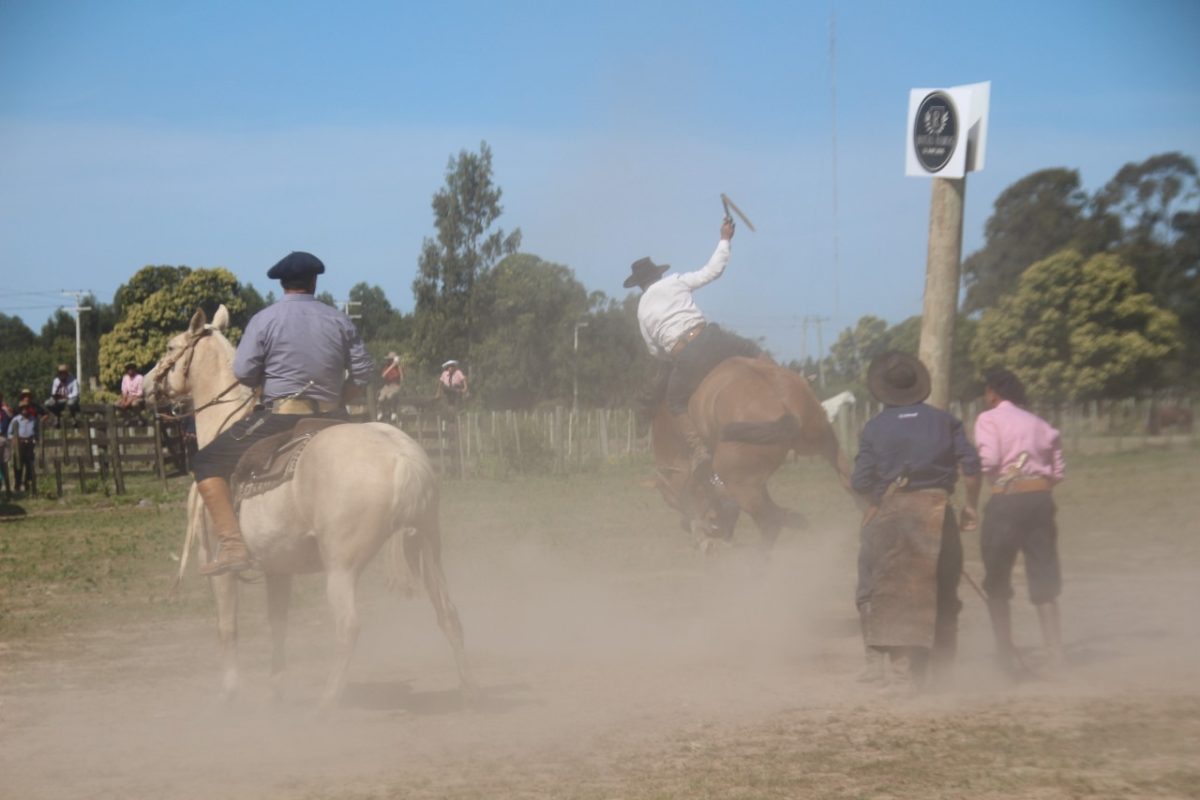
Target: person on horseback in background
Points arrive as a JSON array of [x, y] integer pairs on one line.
[[297, 354], [676, 332]]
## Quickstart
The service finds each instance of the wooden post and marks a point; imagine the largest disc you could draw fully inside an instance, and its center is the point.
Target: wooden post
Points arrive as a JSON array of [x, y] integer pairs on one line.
[[941, 284], [114, 450], [158, 452], [82, 477], [58, 487]]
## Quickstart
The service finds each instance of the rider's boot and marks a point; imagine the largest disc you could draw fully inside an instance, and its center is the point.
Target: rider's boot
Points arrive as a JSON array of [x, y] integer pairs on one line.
[[231, 548], [701, 458]]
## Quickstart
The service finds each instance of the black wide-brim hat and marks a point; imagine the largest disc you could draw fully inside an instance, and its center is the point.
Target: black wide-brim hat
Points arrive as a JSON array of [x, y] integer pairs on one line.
[[296, 265], [642, 270], [898, 379]]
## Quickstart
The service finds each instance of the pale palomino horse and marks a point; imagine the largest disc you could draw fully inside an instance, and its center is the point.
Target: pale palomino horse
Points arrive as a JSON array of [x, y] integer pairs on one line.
[[355, 487]]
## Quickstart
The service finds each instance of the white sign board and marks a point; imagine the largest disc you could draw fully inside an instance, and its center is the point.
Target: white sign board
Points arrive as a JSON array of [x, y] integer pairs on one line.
[[947, 130]]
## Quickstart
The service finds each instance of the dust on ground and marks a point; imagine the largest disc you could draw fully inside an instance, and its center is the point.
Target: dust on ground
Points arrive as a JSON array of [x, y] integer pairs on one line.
[[616, 661]]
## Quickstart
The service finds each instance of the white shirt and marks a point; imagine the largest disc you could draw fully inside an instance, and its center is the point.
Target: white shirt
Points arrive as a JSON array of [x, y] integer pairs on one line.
[[666, 310]]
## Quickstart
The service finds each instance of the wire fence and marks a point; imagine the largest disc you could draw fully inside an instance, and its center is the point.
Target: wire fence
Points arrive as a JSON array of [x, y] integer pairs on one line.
[[97, 448]]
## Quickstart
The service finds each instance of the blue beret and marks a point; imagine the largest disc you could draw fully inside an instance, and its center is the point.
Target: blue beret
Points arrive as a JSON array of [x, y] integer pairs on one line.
[[297, 264]]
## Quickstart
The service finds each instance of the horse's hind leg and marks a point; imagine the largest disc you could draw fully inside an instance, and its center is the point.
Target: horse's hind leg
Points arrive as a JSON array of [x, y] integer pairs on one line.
[[279, 595], [225, 591], [340, 587], [429, 538]]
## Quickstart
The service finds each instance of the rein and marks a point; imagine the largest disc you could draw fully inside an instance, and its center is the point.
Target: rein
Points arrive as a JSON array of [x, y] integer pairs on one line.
[[189, 350]]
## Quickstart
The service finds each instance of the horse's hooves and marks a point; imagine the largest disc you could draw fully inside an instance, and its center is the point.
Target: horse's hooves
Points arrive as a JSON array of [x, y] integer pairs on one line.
[[711, 545]]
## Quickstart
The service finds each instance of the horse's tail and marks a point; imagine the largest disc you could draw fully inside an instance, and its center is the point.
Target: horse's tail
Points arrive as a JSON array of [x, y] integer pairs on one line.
[[785, 430]]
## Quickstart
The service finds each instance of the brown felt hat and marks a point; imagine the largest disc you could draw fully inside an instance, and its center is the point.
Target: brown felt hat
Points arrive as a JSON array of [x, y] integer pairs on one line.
[[643, 270], [898, 379]]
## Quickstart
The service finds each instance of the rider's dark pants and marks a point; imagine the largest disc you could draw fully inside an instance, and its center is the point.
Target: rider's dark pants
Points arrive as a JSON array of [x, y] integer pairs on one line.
[[219, 457], [697, 358]]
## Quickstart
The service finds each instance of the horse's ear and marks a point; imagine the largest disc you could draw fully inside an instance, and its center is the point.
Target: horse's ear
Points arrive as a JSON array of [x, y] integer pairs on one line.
[[221, 318], [196, 326]]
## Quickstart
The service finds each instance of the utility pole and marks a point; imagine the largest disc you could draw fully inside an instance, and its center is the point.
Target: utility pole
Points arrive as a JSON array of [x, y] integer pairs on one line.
[[575, 377], [941, 284], [814, 320], [76, 311]]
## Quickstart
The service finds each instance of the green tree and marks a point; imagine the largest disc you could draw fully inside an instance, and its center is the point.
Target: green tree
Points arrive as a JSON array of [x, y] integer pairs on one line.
[[463, 252], [26, 364], [527, 309], [377, 319], [58, 336], [854, 348], [1038, 215], [145, 326], [145, 282], [1077, 328]]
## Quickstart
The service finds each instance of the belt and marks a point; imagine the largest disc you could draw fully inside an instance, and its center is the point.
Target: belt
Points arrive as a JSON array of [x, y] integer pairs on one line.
[[682, 341], [301, 405], [1022, 485]]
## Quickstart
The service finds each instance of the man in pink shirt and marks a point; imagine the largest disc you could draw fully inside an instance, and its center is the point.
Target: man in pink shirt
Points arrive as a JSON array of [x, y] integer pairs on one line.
[[1022, 455], [132, 394]]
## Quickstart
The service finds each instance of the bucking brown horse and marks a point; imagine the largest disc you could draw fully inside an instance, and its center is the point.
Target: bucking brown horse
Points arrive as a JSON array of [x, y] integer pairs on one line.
[[752, 412]]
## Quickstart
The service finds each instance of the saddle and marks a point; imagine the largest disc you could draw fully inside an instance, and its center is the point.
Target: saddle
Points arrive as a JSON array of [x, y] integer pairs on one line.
[[271, 462]]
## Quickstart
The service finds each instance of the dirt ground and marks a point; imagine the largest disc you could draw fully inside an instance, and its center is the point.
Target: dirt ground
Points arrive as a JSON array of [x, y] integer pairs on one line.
[[616, 661]]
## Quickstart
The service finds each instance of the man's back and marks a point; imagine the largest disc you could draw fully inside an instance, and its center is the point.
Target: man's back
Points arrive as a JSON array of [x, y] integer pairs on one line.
[[297, 341], [918, 441]]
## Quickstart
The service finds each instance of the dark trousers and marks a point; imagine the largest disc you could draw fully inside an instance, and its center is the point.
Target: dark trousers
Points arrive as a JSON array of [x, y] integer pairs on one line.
[[693, 363], [1021, 523], [25, 473], [219, 457]]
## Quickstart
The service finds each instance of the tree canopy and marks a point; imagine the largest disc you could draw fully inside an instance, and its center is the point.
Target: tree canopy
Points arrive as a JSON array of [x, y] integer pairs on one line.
[[1077, 328], [464, 250], [148, 321]]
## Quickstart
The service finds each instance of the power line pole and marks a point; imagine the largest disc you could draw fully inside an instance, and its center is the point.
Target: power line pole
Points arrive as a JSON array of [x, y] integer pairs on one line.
[[76, 311], [815, 320]]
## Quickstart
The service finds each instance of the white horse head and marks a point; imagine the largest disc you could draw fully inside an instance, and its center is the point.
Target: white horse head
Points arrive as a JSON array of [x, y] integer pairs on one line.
[[835, 404], [187, 357]]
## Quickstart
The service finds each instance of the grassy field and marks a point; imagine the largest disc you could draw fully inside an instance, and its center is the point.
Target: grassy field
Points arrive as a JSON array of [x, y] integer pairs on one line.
[[616, 661]]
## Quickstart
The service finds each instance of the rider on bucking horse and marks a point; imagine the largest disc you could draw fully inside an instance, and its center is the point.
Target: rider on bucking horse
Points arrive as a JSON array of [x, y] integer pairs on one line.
[[298, 353], [676, 332]]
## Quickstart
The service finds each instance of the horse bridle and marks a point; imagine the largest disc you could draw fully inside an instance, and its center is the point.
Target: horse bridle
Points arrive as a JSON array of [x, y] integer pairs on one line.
[[189, 351]]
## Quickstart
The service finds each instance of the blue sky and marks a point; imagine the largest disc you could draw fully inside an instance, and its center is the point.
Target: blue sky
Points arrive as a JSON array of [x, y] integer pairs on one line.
[[228, 133]]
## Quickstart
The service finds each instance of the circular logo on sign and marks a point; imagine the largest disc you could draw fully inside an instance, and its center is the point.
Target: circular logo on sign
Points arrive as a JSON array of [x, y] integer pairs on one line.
[[935, 131]]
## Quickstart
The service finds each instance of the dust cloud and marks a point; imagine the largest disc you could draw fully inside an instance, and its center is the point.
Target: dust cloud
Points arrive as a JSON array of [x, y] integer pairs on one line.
[[582, 643]]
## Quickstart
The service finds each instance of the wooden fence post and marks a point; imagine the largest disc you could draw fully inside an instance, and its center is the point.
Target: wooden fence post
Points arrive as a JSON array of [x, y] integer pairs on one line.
[[158, 452], [58, 487]]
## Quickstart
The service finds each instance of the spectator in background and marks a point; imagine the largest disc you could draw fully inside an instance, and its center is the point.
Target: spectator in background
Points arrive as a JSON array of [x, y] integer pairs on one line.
[[64, 392], [389, 393], [132, 394], [23, 430], [25, 398], [5, 421], [452, 384]]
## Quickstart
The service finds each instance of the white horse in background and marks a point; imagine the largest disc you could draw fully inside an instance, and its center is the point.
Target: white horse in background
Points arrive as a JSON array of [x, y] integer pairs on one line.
[[836, 403], [355, 486]]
